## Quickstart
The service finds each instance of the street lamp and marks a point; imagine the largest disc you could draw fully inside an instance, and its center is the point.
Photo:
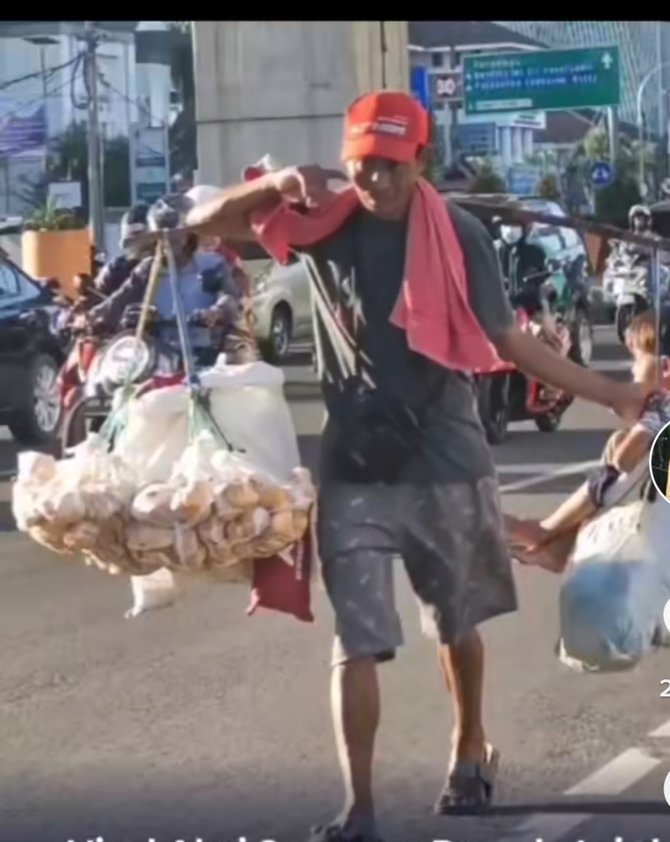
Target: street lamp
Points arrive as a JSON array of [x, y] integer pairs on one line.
[[640, 118]]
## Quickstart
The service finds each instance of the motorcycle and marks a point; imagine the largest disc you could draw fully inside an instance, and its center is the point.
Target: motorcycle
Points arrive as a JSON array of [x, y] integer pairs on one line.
[[100, 365], [628, 280], [507, 394]]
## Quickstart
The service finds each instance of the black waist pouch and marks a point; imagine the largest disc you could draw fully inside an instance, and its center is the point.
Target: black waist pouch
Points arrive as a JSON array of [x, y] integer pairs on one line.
[[377, 435]]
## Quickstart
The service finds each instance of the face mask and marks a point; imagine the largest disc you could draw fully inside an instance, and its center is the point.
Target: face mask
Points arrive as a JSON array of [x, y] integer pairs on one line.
[[510, 234]]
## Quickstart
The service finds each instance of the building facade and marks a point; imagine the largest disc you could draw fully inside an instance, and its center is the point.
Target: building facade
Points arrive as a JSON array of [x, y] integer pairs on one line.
[[42, 92]]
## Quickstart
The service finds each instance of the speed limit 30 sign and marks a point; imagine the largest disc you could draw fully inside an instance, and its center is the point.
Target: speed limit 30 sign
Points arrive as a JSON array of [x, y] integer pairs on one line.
[[447, 86]]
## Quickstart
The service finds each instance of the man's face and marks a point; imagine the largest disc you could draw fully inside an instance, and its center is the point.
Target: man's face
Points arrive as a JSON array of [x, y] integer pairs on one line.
[[640, 223], [384, 187]]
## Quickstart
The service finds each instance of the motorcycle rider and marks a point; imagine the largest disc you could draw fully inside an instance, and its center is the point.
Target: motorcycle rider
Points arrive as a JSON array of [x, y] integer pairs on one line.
[[208, 293], [116, 271], [519, 258], [639, 219]]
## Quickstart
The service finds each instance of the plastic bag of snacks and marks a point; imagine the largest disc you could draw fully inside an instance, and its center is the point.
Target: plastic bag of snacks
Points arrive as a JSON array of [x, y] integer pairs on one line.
[[216, 510], [171, 500], [78, 504]]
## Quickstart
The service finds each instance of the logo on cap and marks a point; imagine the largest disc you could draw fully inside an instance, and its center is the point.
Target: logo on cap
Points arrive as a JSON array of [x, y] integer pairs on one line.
[[397, 126]]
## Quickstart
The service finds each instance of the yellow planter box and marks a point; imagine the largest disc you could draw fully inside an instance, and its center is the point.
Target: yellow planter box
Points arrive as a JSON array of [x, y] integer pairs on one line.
[[56, 254]]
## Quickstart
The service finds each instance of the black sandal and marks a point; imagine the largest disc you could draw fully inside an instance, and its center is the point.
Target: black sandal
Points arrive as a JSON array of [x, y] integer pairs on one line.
[[469, 787], [336, 833]]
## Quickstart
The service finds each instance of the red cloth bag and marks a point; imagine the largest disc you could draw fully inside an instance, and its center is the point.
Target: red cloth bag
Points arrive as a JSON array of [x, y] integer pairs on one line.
[[283, 587]]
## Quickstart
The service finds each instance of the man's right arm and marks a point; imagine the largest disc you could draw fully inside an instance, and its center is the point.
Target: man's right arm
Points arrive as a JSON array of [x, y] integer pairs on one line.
[[229, 215]]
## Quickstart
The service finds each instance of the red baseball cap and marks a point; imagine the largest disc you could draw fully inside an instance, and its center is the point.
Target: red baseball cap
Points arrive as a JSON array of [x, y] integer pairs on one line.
[[385, 124]]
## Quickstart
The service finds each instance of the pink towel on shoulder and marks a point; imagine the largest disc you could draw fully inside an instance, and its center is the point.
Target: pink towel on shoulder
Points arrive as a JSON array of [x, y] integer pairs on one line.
[[433, 306]]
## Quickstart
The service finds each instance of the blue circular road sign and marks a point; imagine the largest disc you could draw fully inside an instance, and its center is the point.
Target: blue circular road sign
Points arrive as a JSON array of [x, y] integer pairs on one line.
[[602, 174]]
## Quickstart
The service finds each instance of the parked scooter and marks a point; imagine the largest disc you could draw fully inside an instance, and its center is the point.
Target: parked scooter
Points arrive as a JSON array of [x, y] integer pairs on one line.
[[507, 394]]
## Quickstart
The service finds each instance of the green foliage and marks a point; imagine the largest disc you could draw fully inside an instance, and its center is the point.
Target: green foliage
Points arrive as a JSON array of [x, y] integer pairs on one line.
[[50, 218], [548, 187], [612, 202], [116, 172], [67, 160], [488, 180]]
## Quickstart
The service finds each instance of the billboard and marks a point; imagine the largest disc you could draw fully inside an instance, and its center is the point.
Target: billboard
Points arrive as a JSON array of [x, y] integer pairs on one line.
[[149, 161], [23, 129]]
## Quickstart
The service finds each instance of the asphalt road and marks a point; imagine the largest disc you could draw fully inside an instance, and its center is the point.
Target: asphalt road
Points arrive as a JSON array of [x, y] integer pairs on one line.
[[198, 722]]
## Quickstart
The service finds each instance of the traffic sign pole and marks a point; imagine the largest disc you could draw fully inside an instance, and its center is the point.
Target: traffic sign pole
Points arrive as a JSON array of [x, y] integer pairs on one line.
[[602, 174]]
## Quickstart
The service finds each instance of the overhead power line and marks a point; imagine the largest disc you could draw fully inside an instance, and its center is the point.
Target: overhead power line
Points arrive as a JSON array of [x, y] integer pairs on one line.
[[50, 71]]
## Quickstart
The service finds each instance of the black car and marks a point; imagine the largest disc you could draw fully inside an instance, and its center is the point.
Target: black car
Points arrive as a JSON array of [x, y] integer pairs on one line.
[[30, 357]]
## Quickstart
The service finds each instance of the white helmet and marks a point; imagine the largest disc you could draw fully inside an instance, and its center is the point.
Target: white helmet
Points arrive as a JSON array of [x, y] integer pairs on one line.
[[639, 210]]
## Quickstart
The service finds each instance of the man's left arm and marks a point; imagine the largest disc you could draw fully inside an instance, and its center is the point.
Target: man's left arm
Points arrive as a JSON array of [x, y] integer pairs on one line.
[[493, 311]]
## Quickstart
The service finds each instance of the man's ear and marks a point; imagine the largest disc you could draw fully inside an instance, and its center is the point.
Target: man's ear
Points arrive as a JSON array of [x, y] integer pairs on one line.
[[423, 159]]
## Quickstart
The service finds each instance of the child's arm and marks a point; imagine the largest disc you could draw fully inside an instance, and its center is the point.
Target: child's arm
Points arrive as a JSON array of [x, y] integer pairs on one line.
[[634, 447]]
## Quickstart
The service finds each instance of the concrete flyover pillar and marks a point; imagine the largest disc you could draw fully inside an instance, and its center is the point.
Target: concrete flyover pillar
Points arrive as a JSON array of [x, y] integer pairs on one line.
[[281, 87]]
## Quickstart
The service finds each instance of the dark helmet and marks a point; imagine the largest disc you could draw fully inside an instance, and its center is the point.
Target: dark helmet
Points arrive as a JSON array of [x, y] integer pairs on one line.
[[169, 212], [134, 222]]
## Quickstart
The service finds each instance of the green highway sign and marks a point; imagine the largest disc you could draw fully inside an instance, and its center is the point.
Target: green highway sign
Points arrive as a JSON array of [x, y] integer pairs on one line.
[[546, 80]]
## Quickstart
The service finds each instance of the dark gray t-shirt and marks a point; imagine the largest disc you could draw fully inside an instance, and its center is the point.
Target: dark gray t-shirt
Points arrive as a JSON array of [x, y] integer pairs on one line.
[[359, 271]]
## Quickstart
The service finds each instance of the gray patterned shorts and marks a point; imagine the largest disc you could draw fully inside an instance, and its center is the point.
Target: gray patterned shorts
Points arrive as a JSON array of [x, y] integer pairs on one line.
[[451, 540]]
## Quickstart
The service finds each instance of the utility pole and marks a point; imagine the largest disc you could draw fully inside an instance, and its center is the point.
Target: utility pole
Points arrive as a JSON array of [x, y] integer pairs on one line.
[[613, 132], [95, 201]]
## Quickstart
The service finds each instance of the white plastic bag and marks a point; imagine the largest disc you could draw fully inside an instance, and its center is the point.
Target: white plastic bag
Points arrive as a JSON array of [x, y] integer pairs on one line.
[[611, 605], [158, 590], [248, 404]]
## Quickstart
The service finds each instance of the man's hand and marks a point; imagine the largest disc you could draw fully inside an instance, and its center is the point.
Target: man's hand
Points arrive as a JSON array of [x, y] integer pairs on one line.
[[308, 185]]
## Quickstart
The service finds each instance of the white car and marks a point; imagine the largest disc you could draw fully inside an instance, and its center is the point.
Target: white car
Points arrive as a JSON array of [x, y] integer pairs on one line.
[[282, 307]]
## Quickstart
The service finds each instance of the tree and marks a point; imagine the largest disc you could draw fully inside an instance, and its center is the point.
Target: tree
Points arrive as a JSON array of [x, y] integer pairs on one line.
[[67, 160], [613, 202], [117, 172], [488, 180], [548, 187]]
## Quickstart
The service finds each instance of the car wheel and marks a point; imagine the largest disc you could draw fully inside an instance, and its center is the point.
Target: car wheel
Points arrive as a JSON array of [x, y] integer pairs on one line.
[[581, 350], [38, 423], [494, 407], [276, 347]]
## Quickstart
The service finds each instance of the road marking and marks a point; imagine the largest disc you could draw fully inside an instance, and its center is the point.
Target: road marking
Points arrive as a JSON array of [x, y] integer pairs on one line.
[[536, 468], [540, 479], [618, 775], [548, 828], [612, 779], [662, 732]]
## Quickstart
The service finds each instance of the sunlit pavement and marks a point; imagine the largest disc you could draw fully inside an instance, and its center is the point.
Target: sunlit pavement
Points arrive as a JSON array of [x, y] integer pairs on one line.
[[197, 721]]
